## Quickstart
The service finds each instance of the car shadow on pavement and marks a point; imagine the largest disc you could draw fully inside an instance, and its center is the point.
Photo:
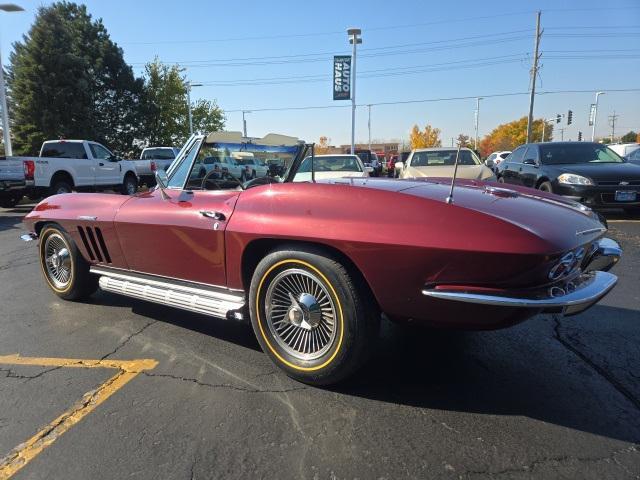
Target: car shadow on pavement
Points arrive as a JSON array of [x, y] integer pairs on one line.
[[522, 371], [236, 332], [10, 217]]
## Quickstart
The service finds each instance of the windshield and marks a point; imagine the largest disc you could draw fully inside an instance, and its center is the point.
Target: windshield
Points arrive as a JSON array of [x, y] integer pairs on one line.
[[336, 163], [440, 158], [560, 154]]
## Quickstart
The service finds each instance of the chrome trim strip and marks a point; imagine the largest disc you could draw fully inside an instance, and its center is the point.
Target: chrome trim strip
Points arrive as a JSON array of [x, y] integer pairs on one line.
[[113, 271], [590, 287], [207, 302], [87, 217]]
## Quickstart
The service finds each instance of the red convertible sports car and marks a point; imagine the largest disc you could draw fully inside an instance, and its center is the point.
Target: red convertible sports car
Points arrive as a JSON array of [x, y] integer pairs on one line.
[[313, 265]]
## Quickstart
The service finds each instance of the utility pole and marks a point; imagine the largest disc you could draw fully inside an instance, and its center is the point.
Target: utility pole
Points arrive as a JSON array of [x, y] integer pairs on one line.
[[244, 123], [612, 122], [189, 85], [561, 134], [354, 40], [477, 121], [369, 126], [534, 73]]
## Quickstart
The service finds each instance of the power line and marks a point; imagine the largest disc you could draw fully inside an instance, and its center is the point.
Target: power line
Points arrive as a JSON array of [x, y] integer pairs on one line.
[[431, 100], [376, 51]]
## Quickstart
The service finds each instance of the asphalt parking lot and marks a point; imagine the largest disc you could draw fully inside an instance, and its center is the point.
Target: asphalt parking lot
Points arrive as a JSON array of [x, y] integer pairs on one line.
[[119, 388]]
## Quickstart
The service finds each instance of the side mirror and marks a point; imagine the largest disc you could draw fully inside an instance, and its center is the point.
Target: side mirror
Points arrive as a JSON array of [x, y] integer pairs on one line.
[[113, 158], [530, 161], [162, 181], [489, 163], [368, 169]]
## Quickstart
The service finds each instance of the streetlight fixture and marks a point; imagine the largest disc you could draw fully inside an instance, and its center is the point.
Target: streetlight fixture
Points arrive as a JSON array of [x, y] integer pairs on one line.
[[6, 7], [477, 120], [189, 86], [595, 115], [244, 123], [354, 39]]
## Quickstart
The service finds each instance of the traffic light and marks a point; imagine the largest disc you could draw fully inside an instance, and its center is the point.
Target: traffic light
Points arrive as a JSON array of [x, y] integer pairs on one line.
[[569, 117], [558, 118], [579, 136]]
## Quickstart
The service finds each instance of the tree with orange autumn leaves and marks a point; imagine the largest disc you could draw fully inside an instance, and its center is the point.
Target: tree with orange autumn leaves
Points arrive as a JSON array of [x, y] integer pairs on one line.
[[510, 135]]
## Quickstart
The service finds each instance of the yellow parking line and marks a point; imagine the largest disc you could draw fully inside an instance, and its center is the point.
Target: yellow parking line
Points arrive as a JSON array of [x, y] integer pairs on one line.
[[27, 451]]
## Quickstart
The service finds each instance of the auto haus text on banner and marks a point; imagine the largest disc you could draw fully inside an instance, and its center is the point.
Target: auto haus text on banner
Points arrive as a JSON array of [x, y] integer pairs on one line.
[[342, 77]]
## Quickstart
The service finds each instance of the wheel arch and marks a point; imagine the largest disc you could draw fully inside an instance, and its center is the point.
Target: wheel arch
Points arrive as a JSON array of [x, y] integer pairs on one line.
[[257, 249], [61, 175]]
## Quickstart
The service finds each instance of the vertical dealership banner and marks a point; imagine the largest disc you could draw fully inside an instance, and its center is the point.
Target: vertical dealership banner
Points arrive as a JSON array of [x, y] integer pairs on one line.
[[342, 77], [592, 114]]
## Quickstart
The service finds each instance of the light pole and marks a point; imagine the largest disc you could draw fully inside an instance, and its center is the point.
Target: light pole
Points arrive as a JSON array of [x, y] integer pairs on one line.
[[354, 40], [7, 7], [369, 126], [477, 120], [595, 116], [244, 123], [189, 85]]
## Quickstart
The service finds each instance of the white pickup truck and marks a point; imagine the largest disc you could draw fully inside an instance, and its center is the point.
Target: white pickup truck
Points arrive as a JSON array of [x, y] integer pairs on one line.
[[80, 165], [153, 159]]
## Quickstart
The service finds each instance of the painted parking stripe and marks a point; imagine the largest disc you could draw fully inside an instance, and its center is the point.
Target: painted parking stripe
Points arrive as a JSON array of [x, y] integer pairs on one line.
[[27, 451]]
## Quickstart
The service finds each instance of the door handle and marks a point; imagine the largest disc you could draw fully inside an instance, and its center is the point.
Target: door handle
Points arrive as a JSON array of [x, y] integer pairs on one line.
[[101, 164], [215, 215]]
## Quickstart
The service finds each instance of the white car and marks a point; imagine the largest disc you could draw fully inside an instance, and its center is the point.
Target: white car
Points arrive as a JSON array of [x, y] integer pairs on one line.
[[496, 158], [440, 162], [331, 166], [624, 149]]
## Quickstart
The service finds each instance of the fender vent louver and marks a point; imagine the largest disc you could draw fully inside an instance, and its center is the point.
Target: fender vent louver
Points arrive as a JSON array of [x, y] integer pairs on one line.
[[94, 244]]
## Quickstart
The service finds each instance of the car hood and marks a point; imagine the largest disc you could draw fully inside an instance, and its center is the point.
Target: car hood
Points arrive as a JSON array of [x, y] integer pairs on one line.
[[601, 172], [473, 172], [562, 224]]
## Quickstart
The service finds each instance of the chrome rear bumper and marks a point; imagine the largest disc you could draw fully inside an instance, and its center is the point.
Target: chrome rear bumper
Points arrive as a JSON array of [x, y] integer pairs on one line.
[[571, 298]]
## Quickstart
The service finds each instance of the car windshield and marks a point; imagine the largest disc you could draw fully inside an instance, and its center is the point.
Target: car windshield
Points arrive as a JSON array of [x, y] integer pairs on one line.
[[337, 163], [560, 154], [439, 158]]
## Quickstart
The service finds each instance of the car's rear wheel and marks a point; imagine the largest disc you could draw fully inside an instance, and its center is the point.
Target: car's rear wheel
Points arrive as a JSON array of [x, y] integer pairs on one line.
[[64, 268], [501, 180], [545, 187], [61, 186], [129, 185], [9, 202], [310, 316]]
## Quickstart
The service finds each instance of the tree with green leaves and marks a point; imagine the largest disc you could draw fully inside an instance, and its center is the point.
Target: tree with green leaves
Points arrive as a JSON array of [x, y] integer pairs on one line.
[[630, 137], [165, 108], [68, 79]]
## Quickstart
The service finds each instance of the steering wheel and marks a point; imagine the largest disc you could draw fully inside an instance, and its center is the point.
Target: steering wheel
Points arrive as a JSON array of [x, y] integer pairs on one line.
[[206, 179]]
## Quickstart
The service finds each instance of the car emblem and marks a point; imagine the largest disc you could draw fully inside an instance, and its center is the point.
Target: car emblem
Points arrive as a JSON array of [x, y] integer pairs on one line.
[[624, 183]]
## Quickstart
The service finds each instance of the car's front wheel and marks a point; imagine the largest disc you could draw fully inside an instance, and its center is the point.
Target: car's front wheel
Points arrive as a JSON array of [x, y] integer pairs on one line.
[[545, 187], [310, 316], [64, 268]]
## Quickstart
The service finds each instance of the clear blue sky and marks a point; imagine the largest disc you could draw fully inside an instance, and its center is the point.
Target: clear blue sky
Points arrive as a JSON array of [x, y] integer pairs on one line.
[[200, 34]]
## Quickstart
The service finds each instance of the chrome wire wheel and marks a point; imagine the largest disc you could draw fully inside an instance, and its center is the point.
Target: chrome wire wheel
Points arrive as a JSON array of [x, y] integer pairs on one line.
[[301, 314], [57, 261]]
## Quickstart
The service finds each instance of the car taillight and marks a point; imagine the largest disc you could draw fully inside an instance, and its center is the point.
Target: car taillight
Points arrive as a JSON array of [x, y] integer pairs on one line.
[[153, 166], [29, 169]]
